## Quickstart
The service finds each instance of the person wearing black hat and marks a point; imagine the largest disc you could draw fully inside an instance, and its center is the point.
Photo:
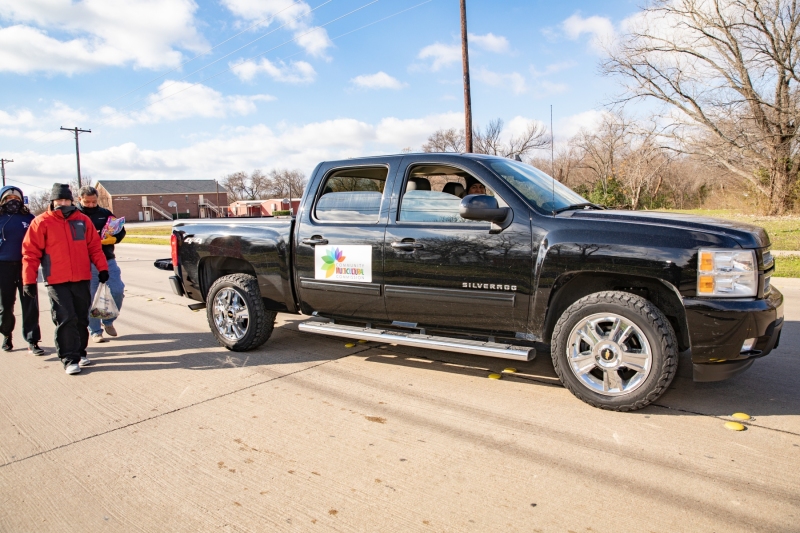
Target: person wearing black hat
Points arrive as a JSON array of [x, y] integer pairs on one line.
[[63, 241], [15, 218]]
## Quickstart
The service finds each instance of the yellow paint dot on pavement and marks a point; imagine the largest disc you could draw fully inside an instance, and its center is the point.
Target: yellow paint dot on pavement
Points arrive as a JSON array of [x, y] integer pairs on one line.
[[510, 370], [349, 345], [148, 299], [740, 416], [495, 376], [362, 341], [734, 426], [161, 298]]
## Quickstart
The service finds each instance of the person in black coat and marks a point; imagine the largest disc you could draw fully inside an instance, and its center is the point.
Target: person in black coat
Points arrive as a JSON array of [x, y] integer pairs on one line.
[[15, 218], [99, 216]]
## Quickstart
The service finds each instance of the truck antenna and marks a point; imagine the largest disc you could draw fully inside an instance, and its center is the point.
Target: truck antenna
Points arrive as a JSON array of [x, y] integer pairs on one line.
[[552, 159]]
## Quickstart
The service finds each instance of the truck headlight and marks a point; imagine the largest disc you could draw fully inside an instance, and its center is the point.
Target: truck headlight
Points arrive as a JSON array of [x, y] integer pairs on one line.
[[731, 273]]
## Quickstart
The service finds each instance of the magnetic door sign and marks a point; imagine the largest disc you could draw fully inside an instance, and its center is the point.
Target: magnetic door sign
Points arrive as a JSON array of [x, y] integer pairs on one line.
[[343, 263]]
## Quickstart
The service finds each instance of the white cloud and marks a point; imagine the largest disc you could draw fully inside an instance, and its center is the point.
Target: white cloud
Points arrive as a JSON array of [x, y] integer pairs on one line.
[[490, 42], [294, 72], [513, 81], [600, 28], [189, 101], [62, 36], [380, 80], [296, 17], [552, 68], [292, 146], [443, 55], [24, 123], [401, 133], [586, 120]]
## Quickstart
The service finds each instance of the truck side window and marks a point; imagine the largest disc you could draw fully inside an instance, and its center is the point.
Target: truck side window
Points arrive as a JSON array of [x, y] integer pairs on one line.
[[352, 195], [433, 193]]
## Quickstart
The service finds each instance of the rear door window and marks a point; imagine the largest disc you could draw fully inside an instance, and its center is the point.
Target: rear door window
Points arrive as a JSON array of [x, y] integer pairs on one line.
[[352, 195]]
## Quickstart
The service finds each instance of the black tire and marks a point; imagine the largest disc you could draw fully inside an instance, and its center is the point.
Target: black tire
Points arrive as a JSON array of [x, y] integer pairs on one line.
[[256, 329], [636, 311]]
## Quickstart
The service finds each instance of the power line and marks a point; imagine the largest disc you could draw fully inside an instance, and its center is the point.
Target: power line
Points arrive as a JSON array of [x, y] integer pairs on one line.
[[270, 50], [271, 18], [28, 184], [229, 54], [122, 115]]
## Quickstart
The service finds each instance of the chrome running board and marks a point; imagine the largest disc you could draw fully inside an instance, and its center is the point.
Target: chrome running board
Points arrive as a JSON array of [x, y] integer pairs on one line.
[[490, 349]]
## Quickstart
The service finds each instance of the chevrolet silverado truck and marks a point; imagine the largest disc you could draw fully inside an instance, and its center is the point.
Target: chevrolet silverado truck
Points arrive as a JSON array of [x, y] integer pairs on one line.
[[484, 255]]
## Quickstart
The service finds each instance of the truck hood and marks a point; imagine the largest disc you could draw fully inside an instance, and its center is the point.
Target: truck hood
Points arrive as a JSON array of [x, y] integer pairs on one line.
[[746, 235]]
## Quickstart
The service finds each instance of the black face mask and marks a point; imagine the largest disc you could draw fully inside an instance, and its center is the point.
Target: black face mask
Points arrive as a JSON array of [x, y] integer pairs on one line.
[[66, 210], [90, 210], [12, 207]]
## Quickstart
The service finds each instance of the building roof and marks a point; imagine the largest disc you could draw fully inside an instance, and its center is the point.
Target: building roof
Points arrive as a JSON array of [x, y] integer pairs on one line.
[[161, 187]]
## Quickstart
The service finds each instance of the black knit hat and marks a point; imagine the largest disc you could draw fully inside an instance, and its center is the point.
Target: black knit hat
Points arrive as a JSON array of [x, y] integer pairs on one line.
[[60, 192]]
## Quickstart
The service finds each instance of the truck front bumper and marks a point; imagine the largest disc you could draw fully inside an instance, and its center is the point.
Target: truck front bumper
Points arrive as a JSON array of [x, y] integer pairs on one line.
[[719, 327]]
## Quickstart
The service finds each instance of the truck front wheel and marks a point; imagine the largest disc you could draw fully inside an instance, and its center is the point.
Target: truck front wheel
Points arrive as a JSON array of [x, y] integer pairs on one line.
[[615, 350], [236, 313]]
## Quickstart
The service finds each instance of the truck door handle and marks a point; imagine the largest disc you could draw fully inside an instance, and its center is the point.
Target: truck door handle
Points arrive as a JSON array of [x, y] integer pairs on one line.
[[316, 239], [408, 246]]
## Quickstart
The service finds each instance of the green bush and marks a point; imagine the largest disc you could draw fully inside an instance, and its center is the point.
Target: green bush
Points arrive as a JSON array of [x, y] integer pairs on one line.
[[281, 213]]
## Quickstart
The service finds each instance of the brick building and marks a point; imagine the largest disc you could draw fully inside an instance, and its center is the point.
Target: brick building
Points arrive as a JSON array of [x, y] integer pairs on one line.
[[261, 208], [148, 200]]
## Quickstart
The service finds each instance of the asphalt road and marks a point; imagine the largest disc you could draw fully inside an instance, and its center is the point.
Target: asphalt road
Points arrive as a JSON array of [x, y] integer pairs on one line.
[[169, 432]]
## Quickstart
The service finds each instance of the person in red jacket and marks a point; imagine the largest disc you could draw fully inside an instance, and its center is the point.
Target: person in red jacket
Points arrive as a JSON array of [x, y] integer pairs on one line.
[[64, 242]]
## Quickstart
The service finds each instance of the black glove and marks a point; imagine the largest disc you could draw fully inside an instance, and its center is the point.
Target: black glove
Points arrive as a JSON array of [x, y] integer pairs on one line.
[[30, 291], [102, 276]]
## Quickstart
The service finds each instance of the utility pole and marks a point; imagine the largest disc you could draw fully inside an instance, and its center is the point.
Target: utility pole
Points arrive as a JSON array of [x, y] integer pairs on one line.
[[467, 97], [3, 167], [76, 131]]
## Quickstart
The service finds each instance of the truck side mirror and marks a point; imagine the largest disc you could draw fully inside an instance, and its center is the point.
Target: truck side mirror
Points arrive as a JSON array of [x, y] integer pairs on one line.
[[485, 207]]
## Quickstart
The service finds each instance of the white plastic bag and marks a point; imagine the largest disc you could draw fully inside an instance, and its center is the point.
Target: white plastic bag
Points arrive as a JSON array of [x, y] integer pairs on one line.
[[103, 306]]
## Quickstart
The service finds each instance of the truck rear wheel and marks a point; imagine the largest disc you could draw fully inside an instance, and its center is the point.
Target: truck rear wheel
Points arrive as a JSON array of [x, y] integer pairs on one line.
[[615, 350], [236, 313]]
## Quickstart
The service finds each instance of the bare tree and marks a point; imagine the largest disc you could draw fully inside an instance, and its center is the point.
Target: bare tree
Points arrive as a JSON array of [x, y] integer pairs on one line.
[[451, 140], [643, 168], [284, 183], [39, 201], [240, 186], [489, 140], [727, 71], [600, 150]]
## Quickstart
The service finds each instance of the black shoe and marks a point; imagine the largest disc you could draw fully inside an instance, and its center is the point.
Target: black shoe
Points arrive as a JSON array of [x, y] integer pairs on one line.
[[7, 346], [34, 349]]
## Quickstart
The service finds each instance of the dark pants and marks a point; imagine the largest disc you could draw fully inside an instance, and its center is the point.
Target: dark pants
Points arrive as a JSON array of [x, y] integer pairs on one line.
[[10, 285], [70, 304]]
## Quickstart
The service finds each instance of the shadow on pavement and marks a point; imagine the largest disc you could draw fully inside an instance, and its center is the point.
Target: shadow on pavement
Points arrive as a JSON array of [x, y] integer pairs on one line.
[[200, 351], [769, 387]]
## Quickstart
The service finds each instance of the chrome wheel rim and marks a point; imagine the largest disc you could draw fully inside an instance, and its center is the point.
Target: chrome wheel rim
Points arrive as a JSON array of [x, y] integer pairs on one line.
[[231, 316], [609, 354]]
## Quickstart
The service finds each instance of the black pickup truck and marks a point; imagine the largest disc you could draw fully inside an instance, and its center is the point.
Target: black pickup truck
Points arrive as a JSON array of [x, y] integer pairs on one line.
[[484, 255]]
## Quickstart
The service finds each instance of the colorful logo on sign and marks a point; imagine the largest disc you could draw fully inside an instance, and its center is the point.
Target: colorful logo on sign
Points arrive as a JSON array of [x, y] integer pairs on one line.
[[329, 260]]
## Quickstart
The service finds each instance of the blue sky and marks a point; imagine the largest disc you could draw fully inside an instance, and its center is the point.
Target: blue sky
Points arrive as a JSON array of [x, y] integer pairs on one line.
[[287, 84]]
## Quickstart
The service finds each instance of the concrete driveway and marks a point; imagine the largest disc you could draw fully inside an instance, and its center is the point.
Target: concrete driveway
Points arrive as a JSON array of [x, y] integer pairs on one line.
[[169, 432]]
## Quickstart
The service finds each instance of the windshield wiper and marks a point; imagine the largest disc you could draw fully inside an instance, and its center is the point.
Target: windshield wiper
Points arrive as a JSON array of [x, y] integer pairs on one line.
[[584, 205]]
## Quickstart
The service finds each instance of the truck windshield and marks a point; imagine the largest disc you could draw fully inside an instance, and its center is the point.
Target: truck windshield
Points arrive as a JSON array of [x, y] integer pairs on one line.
[[540, 189]]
